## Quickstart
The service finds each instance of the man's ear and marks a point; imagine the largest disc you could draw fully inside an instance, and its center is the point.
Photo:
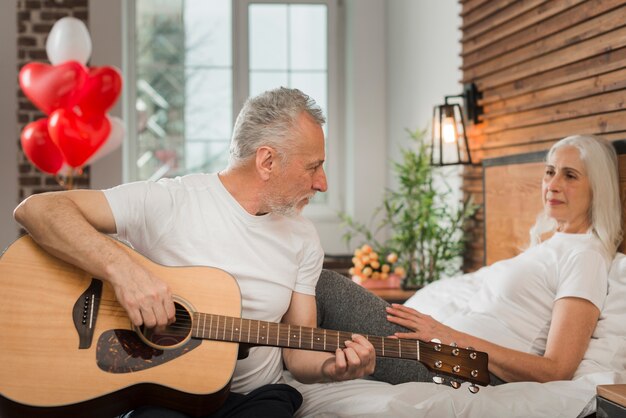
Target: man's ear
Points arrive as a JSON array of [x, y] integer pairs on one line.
[[265, 161]]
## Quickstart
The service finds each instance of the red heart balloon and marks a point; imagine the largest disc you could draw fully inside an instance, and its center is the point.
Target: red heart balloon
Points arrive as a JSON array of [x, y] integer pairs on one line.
[[100, 91], [39, 148], [78, 136], [51, 87]]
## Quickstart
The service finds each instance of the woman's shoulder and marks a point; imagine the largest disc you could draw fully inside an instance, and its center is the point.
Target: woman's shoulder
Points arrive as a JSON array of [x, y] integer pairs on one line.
[[581, 249], [576, 241]]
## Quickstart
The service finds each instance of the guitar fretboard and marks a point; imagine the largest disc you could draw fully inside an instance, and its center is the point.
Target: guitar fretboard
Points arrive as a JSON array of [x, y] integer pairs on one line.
[[226, 328]]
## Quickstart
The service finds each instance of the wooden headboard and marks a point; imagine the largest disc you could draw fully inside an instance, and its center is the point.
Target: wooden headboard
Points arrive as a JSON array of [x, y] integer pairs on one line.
[[512, 199]]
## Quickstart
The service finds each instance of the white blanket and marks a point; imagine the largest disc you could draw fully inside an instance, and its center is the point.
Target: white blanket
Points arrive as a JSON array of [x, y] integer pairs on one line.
[[367, 398], [604, 363]]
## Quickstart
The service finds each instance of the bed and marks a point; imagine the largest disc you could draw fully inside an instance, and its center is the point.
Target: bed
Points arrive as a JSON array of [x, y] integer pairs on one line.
[[511, 203]]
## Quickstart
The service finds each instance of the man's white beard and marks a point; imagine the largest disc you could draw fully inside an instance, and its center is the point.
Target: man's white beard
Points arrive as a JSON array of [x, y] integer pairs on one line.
[[289, 209]]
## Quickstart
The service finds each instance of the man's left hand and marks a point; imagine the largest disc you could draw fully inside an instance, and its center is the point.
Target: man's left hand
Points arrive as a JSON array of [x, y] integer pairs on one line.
[[357, 359]]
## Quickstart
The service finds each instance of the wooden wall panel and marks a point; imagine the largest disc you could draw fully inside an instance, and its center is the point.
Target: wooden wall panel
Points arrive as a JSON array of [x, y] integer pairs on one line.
[[546, 70], [590, 86], [551, 21], [512, 202], [507, 11], [586, 31], [519, 23]]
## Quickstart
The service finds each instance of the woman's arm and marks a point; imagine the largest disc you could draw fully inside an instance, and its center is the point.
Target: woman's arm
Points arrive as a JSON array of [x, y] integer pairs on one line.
[[573, 322]]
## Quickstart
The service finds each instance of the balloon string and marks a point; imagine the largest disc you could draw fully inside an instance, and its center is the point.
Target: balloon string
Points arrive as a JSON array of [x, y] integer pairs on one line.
[[67, 182]]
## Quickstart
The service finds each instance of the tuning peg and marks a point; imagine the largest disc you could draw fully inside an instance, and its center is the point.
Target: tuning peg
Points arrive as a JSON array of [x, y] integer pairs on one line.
[[453, 344], [455, 384], [473, 388], [438, 379], [437, 342]]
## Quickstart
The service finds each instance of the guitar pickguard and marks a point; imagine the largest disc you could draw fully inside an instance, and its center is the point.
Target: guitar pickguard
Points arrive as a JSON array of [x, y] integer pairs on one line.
[[122, 351]]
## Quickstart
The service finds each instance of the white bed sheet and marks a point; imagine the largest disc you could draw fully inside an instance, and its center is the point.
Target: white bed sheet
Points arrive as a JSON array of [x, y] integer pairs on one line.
[[367, 398], [604, 363]]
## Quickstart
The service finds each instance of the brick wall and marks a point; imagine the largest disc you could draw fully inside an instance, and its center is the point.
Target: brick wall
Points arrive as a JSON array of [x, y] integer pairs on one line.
[[35, 18]]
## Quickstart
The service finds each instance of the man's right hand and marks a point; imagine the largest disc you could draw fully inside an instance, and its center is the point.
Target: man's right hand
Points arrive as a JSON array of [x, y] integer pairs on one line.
[[146, 298]]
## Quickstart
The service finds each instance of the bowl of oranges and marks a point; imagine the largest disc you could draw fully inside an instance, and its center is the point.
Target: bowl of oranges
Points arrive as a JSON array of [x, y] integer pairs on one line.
[[375, 270]]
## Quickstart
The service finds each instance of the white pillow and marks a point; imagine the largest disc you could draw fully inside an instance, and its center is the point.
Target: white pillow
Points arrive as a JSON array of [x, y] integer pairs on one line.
[[607, 348]]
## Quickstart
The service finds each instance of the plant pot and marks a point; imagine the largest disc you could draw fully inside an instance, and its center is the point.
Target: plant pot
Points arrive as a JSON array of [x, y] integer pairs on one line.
[[391, 282]]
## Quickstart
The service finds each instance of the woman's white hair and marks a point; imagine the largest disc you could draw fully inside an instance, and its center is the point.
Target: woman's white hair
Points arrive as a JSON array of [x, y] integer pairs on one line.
[[600, 160], [270, 119]]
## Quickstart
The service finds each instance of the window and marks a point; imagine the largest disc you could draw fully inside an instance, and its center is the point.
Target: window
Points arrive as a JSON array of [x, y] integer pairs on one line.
[[194, 63]]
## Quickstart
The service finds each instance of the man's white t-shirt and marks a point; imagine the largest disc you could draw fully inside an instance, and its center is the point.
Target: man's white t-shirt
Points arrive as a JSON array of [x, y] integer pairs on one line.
[[194, 220], [513, 307]]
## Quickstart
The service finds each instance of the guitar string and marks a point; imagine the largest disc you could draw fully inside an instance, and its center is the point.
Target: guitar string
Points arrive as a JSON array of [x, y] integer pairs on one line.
[[114, 306], [185, 324]]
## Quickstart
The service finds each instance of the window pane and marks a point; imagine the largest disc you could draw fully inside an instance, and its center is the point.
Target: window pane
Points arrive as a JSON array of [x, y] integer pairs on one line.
[[159, 34], [307, 37], [206, 156], [184, 86], [314, 84], [208, 38], [159, 86], [208, 104], [268, 36], [266, 80]]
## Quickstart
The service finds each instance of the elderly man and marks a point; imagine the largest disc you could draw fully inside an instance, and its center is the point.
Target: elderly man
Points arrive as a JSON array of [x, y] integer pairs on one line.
[[245, 220]]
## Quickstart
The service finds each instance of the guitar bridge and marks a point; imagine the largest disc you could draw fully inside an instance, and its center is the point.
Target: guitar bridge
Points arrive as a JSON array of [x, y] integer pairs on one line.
[[85, 313]]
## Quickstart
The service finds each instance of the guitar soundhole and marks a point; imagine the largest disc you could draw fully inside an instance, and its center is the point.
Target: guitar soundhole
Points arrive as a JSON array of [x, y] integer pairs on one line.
[[170, 336]]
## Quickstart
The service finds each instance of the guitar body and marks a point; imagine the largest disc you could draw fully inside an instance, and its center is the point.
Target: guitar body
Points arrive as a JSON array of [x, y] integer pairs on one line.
[[59, 358]]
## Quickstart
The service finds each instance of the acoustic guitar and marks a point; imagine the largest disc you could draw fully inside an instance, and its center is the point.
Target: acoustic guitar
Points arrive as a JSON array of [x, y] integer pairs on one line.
[[68, 349]]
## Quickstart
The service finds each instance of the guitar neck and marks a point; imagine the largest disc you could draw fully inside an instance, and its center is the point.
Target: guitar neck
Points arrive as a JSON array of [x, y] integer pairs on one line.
[[467, 364], [248, 331]]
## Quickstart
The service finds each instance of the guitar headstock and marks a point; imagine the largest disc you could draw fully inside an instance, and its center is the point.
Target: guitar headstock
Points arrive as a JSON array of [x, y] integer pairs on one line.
[[459, 363]]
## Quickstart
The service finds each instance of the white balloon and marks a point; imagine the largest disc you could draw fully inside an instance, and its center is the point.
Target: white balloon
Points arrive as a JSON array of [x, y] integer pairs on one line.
[[113, 141], [68, 40]]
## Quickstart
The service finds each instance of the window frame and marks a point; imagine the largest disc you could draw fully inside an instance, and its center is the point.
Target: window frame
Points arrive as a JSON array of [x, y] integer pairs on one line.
[[240, 87]]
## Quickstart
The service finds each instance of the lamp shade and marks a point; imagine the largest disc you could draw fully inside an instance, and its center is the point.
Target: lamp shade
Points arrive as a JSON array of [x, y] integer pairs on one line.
[[449, 141]]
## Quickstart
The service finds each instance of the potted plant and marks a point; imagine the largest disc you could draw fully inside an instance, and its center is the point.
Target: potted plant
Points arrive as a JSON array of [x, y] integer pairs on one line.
[[425, 231]]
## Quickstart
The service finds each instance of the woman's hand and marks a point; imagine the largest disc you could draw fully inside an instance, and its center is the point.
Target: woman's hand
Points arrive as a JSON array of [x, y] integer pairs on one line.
[[424, 327]]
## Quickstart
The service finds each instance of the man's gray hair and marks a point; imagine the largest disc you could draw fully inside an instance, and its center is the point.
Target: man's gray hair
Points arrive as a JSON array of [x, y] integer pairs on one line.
[[600, 160], [270, 119]]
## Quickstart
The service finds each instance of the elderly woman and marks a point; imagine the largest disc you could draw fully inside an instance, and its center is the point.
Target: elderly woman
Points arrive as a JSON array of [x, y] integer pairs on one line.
[[534, 314]]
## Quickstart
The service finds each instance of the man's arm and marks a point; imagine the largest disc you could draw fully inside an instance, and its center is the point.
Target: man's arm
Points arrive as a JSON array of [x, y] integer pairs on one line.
[[69, 225], [358, 359]]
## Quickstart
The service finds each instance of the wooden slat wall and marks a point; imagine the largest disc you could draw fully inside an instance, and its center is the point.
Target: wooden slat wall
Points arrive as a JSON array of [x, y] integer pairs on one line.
[[546, 69]]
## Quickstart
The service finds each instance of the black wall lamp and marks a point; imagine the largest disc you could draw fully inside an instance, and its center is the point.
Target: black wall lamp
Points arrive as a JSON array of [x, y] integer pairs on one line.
[[449, 138]]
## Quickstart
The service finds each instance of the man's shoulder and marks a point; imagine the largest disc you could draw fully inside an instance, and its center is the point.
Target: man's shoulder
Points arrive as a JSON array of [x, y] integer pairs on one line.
[[188, 181]]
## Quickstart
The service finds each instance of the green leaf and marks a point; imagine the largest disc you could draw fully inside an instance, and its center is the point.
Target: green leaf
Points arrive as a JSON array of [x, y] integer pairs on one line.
[[425, 232]]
